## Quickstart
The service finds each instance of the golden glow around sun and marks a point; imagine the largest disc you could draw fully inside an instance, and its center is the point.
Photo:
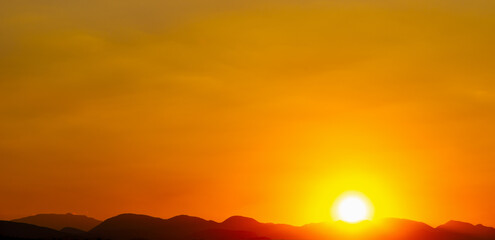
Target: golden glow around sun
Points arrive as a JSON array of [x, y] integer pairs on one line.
[[352, 207]]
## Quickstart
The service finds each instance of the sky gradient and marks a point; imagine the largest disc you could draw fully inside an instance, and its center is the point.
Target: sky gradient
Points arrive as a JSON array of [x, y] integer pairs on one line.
[[218, 108]]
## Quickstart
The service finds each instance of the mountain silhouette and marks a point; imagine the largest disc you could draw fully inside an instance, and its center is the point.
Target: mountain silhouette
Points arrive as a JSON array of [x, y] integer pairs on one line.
[[14, 230], [73, 231], [132, 226], [60, 221], [395, 229], [240, 221], [269, 230], [142, 227], [468, 229], [222, 234]]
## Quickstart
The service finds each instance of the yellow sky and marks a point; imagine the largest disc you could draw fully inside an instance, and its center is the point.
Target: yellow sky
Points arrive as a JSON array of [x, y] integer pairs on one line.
[[218, 108]]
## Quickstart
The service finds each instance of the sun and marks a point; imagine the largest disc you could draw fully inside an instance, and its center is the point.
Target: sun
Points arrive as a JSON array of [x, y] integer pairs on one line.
[[352, 207]]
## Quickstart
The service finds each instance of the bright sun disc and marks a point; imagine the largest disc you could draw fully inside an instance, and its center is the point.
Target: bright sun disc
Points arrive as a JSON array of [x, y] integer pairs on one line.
[[352, 207]]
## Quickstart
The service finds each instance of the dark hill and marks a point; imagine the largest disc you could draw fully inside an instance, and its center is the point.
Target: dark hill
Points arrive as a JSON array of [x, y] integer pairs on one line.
[[269, 230], [402, 229], [60, 221], [14, 230], [222, 234], [468, 229], [240, 221], [73, 231], [133, 226]]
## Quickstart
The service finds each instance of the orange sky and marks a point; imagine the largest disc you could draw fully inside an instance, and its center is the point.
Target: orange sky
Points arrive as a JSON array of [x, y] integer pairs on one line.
[[217, 108]]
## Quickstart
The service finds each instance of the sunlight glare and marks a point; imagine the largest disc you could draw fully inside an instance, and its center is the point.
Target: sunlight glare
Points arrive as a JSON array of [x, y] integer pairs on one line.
[[352, 207]]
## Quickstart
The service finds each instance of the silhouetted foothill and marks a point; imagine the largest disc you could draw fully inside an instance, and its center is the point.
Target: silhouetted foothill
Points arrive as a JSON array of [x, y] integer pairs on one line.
[[72, 231], [183, 227], [60, 221], [27, 231], [478, 231]]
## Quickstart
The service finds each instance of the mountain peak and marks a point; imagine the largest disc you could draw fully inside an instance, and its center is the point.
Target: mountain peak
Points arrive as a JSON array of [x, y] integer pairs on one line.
[[240, 220], [129, 218], [130, 226], [182, 220], [477, 230], [456, 223], [60, 221], [186, 218]]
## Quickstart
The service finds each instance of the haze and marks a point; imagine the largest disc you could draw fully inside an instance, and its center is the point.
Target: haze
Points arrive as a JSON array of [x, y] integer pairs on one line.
[[269, 110]]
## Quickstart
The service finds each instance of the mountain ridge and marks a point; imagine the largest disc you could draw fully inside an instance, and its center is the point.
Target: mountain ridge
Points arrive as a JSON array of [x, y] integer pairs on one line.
[[60, 221], [130, 226]]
